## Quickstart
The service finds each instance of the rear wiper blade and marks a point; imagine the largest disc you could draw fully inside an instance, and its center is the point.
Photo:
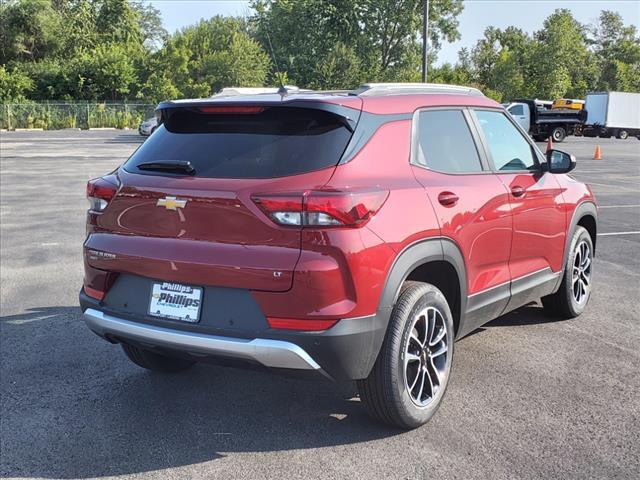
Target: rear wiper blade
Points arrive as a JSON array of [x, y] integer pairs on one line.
[[169, 165]]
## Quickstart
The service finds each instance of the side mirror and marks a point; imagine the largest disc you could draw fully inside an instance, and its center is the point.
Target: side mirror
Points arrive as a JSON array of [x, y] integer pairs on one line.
[[560, 162]]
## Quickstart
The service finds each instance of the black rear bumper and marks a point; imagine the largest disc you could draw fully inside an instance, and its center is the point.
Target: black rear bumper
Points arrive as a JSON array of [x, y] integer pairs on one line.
[[347, 351]]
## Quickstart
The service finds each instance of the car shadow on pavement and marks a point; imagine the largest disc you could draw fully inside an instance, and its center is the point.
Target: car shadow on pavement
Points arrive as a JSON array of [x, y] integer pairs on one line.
[[75, 407], [531, 314]]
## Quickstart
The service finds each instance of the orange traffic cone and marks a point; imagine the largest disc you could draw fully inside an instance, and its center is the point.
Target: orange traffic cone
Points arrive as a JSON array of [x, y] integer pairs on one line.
[[597, 154], [549, 144]]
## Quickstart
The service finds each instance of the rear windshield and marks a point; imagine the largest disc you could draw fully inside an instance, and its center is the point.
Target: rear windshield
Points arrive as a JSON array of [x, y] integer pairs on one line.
[[274, 142]]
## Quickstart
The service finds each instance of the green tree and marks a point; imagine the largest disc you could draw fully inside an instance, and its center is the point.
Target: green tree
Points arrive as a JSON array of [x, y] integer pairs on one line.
[[507, 77], [561, 64], [458, 74], [165, 69], [383, 35], [617, 49], [29, 30], [340, 67], [619, 76], [14, 85], [79, 30], [556, 62], [52, 78], [299, 32], [107, 72], [500, 63], [150, 24], [203, 58], [485, 54], [390, 29], [117, 22]]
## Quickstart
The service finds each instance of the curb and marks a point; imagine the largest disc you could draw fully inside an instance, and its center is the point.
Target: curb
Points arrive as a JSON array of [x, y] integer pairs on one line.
[[102, 128], [28, 129]]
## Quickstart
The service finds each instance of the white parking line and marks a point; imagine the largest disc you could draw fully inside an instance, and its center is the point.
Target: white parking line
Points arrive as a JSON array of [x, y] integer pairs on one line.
[[618, 233], [620, 187], [618, 206]]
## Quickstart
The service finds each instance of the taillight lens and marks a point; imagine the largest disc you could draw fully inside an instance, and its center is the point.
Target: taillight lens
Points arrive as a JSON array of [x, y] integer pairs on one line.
[[323, 208], [100, 191], [97, 282], [93, 293], [283, 209]]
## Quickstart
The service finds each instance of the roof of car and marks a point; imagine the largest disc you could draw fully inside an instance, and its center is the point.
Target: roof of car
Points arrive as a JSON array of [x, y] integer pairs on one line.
[[381, 98]]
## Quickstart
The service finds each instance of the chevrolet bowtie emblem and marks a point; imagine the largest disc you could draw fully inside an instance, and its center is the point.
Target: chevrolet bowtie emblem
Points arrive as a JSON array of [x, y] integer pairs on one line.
[[171, 203]]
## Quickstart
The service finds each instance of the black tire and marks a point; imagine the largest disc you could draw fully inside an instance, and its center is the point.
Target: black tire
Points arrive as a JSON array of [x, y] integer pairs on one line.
[[622, 134], [563, 303], [540, 138], [558, 134], [154, 361], [385, 392]]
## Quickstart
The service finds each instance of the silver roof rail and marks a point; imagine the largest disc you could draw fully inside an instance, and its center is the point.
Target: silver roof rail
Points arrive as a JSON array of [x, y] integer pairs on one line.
[[237, 91], [372, 89]]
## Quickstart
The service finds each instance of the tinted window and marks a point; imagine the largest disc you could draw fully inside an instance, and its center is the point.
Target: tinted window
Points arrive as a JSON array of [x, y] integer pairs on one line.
[[517, 110], [275, 142], [509, 149], [445, 143]]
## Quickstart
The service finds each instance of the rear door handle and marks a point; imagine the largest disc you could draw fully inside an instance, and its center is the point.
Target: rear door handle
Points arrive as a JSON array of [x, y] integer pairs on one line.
[[517, 191], [448, 199]]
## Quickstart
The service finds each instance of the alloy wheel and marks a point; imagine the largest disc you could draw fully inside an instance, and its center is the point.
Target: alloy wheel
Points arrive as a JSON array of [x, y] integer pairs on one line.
[[581, 275], [425, 357]]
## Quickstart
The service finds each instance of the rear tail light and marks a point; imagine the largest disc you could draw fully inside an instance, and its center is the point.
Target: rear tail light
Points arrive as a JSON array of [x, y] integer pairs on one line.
[[299, 324], [97, 282], [93, 293], [323, 208], [100, 191]]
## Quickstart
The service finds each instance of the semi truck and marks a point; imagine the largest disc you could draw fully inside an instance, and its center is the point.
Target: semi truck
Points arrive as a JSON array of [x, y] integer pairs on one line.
[[612, 114], [542, 123]]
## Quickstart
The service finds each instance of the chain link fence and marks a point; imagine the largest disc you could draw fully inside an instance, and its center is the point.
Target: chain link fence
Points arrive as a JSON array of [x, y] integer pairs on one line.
[[58, 115]]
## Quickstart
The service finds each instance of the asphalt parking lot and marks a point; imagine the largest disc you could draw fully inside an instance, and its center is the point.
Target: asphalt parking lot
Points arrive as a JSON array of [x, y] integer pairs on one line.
[[529, 397]]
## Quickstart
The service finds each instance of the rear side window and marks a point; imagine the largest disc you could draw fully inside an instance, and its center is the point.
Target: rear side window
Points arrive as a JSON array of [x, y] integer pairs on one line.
[[509, 149], [265, 143], [445, 143]]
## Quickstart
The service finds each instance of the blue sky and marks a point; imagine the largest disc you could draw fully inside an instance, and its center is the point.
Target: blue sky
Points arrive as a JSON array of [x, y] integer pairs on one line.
[[477, 15]]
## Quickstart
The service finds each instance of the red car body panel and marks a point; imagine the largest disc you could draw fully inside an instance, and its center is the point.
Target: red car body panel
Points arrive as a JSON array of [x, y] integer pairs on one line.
[[539, 223], [221, 239], [341, 272], [480, 223]]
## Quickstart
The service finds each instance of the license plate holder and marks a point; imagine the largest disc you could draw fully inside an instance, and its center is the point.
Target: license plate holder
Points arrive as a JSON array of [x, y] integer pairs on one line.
[[175, 301]]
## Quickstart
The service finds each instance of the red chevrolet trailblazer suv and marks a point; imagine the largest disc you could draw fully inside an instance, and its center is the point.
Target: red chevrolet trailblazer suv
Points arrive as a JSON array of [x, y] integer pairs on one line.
[[354, 235]]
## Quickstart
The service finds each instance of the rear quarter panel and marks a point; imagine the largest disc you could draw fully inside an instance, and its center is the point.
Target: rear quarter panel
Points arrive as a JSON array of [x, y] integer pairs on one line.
[[341, 272]]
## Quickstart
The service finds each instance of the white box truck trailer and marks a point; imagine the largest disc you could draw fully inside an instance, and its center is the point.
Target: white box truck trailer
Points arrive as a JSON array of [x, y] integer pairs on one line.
[[612, 114]]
